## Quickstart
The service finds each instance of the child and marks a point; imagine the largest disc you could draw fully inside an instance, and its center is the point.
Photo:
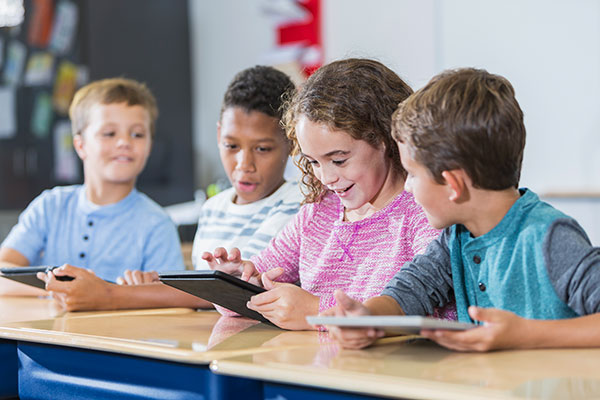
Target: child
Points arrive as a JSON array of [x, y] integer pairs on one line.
[[345, 236], [524, 270], [254, 151], [105, 224]]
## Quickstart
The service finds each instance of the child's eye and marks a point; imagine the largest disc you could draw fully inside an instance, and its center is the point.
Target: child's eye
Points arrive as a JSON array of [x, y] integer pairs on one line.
[[230, 146], [138, 135], [263, 149], [313, 162], [108, 134], [338, 162]]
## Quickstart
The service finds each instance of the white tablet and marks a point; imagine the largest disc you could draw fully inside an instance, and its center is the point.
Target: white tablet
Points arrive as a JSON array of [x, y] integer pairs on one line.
[[406, 324]]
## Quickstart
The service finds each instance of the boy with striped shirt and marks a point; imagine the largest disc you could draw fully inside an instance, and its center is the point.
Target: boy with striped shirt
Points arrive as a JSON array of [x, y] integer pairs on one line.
[[254, 151]]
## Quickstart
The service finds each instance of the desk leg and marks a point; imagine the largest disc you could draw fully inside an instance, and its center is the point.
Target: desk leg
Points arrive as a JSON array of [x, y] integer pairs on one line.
[[8, 369], [50, 372]]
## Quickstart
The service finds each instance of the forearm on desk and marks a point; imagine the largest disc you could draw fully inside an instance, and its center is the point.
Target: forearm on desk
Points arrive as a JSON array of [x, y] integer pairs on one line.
[[576, 332], [153, 295]]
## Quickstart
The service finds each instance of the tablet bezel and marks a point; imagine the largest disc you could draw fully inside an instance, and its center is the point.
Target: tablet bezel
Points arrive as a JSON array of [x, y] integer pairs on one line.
[[26, 275], [402, 324]]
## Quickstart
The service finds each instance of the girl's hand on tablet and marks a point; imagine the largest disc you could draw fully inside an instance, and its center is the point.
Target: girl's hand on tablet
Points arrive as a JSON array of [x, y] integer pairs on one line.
[[284, 304]]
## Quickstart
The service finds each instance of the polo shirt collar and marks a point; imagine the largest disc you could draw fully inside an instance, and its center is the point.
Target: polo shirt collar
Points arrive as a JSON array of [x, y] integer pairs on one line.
[[119, 207]]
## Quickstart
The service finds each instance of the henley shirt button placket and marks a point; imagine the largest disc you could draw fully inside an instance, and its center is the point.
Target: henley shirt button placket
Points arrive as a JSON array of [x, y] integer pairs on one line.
[[86, 238]]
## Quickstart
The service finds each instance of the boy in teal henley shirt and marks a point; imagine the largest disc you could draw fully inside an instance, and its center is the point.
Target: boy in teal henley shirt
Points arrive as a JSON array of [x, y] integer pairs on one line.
[[524, 271]]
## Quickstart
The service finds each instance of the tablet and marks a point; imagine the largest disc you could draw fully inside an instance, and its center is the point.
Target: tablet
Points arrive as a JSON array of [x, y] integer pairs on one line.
[[27, 275], [401, 324], [217, 287]]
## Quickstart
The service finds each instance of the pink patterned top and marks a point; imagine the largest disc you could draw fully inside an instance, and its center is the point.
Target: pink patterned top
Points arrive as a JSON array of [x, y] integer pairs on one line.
[[324, 252]]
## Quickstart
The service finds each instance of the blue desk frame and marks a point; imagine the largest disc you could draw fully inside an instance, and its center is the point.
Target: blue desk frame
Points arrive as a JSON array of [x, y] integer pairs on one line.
[[8, 369], [40, 371]]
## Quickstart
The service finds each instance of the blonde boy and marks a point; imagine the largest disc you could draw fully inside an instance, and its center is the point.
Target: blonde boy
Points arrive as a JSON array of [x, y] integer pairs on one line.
[[254, 151], [104, 225], [524, 271]]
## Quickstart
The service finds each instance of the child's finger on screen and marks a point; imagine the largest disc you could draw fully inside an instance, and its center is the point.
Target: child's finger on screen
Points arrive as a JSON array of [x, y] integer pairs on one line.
[[234, 255]]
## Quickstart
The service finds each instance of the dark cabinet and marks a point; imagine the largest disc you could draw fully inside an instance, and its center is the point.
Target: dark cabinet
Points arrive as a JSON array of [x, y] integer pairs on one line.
[[146, 40]]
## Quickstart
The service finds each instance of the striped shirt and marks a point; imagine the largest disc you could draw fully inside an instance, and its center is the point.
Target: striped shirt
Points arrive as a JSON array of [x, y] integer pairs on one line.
[[249, 227], [324, 252]]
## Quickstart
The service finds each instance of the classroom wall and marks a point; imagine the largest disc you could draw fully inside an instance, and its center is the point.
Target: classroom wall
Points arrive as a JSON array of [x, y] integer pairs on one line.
[[549, 50]]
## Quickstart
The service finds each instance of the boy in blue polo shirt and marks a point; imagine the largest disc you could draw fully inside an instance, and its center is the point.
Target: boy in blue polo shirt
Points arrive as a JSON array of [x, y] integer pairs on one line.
[[524, 271], [254, 151], [104, 225]]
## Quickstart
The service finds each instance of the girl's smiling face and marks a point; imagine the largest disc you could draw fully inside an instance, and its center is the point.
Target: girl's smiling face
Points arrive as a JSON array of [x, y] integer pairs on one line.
[[353, 169]]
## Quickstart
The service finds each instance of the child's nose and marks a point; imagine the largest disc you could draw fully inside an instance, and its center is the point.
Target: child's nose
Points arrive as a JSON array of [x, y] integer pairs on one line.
[[328, 176], [244, 160], [124, 141]]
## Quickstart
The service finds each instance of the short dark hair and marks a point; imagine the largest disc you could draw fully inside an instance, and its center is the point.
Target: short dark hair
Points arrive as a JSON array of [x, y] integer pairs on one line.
[[355, 95], [469, 119], [260, 88]]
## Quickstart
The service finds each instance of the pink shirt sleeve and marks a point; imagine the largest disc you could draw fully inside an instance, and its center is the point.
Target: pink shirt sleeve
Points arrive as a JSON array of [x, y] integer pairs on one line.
[[423, 234]]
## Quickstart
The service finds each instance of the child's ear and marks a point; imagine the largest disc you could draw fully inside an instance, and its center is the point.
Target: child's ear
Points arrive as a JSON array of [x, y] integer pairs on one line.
[[78, 145], [456, 181]]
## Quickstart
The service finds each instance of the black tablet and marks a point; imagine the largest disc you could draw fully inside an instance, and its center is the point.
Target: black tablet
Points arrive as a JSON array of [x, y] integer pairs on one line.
[[27, 275], [217, 287]]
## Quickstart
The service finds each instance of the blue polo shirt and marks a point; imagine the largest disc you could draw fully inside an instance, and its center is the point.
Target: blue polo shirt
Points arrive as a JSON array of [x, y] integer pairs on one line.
[[61, 226]]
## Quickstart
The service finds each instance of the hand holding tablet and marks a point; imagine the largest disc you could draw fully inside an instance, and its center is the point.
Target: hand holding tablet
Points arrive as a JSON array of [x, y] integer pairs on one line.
[[28, 275]]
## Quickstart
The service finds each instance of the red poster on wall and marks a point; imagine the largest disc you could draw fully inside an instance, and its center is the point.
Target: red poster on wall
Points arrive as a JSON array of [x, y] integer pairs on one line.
[[298, 35]]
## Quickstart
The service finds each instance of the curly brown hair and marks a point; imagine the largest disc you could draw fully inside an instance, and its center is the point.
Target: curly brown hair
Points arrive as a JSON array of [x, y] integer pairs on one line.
[[356, 96], [465, 118]]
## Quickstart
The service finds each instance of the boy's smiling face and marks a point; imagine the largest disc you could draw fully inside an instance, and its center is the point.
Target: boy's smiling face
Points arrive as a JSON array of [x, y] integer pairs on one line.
[[115, 144], [254, 152], [432, 196]]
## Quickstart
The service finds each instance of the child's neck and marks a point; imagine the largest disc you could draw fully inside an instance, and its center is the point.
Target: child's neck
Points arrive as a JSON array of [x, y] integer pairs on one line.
[[489, 208], [107, 193]]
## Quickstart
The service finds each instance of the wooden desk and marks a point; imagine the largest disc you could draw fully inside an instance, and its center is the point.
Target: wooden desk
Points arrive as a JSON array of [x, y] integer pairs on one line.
[[421, 370], [130, 354], [164, 354]]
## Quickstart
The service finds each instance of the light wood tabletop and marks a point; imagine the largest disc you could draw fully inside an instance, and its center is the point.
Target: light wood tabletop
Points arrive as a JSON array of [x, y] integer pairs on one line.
[[420, 369], [177, 334]]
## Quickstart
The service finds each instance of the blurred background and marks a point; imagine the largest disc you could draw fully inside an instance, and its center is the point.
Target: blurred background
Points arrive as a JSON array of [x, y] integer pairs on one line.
[[187, 51]]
